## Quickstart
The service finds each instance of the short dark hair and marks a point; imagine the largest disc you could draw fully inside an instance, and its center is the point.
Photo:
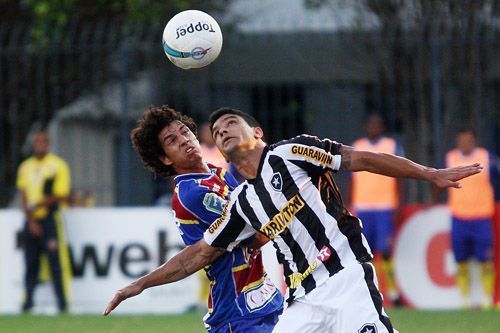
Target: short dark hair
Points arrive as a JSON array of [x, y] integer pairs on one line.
[[251, 121], [467, 128], [145, 137]]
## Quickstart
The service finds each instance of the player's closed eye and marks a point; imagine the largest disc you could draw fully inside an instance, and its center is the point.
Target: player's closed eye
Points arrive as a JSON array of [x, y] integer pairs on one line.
[[170, 140]]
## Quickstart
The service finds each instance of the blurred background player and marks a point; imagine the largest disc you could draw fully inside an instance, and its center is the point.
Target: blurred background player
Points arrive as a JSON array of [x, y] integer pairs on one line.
[[242, 298], [472, 210], [376, 200], [44, 184]]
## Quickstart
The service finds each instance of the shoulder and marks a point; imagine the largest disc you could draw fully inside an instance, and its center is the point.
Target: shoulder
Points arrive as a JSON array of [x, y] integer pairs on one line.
[[307, 140], [389, 139], [303, 139], [452, 152], [57, 160], [239, 192], [483, 150], [26, 163], [189, 191], [359, 141]]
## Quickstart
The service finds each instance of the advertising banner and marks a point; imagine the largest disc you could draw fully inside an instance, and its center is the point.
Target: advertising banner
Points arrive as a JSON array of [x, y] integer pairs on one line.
[[424, 265], [109, 248]]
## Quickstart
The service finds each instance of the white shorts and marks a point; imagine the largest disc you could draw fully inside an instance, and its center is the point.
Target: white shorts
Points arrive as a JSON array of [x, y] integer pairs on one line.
[[348, 302]]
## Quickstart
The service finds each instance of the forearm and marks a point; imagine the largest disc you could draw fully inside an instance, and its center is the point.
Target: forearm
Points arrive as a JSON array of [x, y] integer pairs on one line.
[[51, 201], [389, 165], [183, 264], [24, 205], [186, 262]]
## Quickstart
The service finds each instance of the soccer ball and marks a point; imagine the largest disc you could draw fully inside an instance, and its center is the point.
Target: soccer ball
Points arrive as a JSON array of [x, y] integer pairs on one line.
[[192, 39]]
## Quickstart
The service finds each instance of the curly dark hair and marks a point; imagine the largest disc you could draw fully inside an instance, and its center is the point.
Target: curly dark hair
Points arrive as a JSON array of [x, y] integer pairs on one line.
[[145, 137]]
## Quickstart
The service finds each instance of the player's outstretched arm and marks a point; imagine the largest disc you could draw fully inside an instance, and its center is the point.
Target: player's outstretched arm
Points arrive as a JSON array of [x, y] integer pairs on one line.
[[400, 167], [186, 262]]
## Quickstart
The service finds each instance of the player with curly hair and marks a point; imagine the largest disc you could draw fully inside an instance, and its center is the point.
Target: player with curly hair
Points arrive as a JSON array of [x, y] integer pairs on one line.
[[242, 297]]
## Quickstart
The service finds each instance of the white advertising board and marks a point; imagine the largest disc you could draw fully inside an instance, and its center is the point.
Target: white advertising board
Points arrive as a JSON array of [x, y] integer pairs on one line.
[[11, 261], [109, 249]]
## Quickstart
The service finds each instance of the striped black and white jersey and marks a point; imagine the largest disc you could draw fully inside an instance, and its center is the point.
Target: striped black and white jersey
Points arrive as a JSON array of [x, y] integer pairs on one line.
[[295, 202]]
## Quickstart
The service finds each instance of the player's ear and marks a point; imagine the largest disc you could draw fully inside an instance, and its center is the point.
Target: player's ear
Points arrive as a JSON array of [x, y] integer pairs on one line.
[[258, 132], [165, 160]]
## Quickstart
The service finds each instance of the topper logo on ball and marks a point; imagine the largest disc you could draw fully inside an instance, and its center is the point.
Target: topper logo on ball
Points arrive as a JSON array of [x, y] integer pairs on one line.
[[182, 31]]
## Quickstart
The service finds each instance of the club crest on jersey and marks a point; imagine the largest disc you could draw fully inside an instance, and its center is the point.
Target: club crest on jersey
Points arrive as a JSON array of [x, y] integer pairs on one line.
[[213, 202], [368, 328], [277, 181]]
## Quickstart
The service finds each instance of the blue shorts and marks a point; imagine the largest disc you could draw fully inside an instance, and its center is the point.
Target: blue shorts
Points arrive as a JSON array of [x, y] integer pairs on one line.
[[263, 324], [472, 238], [378, 228]]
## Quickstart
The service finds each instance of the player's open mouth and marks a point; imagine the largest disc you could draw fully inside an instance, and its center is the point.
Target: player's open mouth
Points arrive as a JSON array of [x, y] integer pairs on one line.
[[226, 140], [190, 149]]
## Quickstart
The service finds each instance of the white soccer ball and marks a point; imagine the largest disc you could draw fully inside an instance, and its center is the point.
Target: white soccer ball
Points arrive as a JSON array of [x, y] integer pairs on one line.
[[192, 39]]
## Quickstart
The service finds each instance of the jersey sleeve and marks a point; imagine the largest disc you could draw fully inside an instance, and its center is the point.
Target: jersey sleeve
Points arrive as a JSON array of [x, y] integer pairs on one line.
[[311, 153], [21, 177], [62, 183], [230, 229]]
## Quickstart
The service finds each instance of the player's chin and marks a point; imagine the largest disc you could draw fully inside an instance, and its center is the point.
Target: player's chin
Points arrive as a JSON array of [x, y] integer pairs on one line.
[[229, 149]]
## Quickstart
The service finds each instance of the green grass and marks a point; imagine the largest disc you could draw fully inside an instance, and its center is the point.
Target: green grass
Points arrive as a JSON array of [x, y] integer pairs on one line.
[[405, 320], [466, 321]]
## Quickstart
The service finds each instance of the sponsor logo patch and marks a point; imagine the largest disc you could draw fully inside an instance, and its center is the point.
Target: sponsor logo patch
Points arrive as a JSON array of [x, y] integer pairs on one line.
[[313, 154], [281, 220], [214, 226], [258, 297], [297, 278], [324, 254]]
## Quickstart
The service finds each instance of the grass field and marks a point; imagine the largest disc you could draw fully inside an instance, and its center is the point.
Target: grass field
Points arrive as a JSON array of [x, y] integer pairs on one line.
[[405, 320]]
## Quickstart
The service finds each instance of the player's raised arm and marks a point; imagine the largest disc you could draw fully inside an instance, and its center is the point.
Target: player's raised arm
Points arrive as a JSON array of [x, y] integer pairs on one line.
[[186, 262], [400, 167]]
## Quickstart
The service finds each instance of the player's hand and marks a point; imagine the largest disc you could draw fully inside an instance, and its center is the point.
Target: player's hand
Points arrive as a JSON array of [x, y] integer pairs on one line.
[[449, 177], [35, 228], [131, 290]]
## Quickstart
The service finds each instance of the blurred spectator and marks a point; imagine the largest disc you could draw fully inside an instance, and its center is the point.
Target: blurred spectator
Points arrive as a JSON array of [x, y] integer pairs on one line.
[[472, 209], [44, 184], [377, 200]]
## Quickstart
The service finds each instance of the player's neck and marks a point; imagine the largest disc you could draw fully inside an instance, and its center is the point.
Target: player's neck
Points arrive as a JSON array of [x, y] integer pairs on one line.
[[247, 162], [40, 156], [199, 168]]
